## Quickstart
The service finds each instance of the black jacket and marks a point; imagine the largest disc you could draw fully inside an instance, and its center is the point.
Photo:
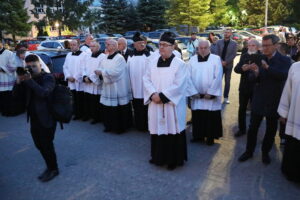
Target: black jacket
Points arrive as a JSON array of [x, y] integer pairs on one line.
[[269, 86], [247, 80], [38, 93]]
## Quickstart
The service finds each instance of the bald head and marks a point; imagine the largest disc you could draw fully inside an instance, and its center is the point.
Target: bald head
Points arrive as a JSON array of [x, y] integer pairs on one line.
[[122, 44], [204, 48], [111, 45], [94, 46], [88, 39], [74, 45]]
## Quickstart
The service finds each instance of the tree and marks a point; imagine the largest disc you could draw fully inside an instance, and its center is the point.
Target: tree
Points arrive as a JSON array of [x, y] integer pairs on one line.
[[151, 14], [279, 11], [218, 9], [64, 12], [131, 18], [14, 18], [189, 12]]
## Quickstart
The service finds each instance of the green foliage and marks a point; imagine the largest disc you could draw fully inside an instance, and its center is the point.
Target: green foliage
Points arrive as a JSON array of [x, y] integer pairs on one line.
[[14, 18], [151, 14], [189, 12], [68, 13]]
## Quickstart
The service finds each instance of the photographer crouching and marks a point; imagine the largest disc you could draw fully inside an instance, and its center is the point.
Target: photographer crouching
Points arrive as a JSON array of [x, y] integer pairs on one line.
[[36, 86]]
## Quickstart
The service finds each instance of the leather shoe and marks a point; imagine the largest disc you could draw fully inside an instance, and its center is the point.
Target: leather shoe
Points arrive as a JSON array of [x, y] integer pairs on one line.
[[245, 156], [266, 158], [50, 175], [43, 174], [239, 133]]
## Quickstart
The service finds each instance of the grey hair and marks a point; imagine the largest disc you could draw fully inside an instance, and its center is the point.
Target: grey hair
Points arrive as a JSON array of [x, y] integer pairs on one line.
[[88, 35], [256, 42], [275, 39], [204, 41], [112, 41], [122, 39], [96, 43]]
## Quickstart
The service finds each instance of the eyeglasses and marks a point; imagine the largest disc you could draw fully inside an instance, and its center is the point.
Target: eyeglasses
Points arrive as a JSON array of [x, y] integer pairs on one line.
[[164, 45]]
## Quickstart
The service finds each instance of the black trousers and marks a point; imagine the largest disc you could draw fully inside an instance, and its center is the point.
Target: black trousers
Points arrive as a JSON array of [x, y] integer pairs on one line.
[[5, 103], [92, 107], [282, 134], [43, 140], [78, 98], [207, 124], [227, 72], [244, 99], [117, 118], [270, 133], [140, 114]]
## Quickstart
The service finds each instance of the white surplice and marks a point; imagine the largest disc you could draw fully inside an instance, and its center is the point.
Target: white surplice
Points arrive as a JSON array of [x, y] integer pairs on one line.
[[137, 68], [206, 78], [73, 67], [92, 64], [7, 74], [116, 87], [169, 118], [86, 49], [289, 106]]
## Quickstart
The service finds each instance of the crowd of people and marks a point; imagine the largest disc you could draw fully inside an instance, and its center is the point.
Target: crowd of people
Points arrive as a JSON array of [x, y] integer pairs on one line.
[[151, 91]]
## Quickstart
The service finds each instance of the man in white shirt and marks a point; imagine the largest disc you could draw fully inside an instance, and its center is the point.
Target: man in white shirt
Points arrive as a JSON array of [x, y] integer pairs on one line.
[[137, 65], [206, 77], [115, 94], [73, 72], [92, 84], [123, 49], [87, 42], [7, 79]]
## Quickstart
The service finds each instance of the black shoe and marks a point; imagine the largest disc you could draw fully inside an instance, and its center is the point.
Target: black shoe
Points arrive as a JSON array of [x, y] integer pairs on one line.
[[106, 130], [239, 133], [245, 156], [171, 167], [151, 161], [94, 122], [210, 141], [266, 158], [195, 140], [85, 119], [76, 118], [50, 175], [43, 174]]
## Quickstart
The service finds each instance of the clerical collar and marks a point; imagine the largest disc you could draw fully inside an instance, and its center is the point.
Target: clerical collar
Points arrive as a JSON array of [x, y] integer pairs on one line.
[[140, 53], [77, 53], [203, 59], [95, 55], [112, 55], [165, 62], [2, 50], [86, 45]]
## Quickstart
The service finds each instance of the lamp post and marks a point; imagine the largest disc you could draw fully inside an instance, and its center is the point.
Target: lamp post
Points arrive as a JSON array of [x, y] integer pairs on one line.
[[58, 29], [266, 15]]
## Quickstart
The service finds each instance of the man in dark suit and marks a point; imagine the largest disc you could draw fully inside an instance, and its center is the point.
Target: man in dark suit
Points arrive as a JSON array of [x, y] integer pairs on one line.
[[226, 49], [123, 49], [270, 80], [36, 87], [247, 81]]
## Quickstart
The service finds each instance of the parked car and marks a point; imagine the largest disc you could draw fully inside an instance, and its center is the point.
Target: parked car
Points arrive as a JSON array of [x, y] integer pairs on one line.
[[101, 35], [32, 45], [206, 34], [55, 60], [42, 38], [246, 35], [51, 44]]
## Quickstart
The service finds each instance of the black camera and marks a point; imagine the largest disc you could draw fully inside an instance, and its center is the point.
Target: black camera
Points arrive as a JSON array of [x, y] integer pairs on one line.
[[24, 70]]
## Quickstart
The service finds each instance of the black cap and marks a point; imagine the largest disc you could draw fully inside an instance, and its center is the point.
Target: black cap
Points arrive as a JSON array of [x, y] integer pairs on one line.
[[168, 37], [138, 37]]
